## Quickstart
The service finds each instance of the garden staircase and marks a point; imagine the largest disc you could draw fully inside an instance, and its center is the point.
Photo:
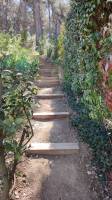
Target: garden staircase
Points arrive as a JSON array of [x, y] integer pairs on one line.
[[52, 132]]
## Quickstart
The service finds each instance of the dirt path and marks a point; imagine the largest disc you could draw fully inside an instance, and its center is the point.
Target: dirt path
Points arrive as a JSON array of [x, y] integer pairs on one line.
[[54, 177]]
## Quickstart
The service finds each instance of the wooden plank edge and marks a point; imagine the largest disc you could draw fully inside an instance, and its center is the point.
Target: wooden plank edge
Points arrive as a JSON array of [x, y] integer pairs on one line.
[[49, 96], [36, 148], [50, 115]]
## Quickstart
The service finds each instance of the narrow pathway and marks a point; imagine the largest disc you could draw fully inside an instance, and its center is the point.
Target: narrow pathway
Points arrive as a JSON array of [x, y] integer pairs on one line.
[[54, 169], [51, 114]]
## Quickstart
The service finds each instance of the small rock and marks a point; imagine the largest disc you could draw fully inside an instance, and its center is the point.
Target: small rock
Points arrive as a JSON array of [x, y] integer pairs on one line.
[[17, 197], [24, 180], [16, 194], [24, 175], [87, 165], [89, 172]]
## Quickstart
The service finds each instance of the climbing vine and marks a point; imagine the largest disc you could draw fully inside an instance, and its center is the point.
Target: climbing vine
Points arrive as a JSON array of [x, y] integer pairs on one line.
[[87, 56]]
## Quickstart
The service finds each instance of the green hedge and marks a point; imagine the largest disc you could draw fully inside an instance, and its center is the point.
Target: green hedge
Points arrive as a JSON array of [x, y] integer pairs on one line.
[[18, 68], [84, 47]]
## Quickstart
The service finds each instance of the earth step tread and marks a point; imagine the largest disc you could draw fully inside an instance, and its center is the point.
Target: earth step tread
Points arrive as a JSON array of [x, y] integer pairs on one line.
[[49, 96], [49, 78], [50, 90], [53, 148], [47, 74], [47, 67], [48, 81], [50, 115], [48, 84], [48, 70]]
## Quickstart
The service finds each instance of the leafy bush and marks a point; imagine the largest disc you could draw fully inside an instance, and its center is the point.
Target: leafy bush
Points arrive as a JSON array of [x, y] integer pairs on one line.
[[60, 45], [49, 52], [56, 48], [18, 67]]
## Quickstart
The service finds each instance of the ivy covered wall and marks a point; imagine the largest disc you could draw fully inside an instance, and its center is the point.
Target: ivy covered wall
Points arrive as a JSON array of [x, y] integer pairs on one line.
[[88, 51]]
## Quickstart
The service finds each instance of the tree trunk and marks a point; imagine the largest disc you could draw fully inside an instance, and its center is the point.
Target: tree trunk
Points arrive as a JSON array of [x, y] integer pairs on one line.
[[54, 21], [56, 29], [17, 20], [37, 20], [23, 20], [49, 13], [4, 16], [4, 183], [1, 13]]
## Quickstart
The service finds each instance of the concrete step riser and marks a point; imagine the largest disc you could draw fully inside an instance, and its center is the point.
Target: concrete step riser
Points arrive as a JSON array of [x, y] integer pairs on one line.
[[48, 81], [53, 149], [50, 75], [48, 85], [47, 68], [48, 72], [52, 78], [51, 96], [50, 116]]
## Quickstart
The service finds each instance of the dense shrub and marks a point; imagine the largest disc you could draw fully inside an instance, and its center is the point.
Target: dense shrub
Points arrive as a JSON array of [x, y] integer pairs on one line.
[[55, 50], [18, 67], [60, 45], [86, 43]]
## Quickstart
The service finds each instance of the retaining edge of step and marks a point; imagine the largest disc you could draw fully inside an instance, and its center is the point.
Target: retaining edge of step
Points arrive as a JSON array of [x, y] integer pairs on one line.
[[53, 148], [49, 96], [39, 116]]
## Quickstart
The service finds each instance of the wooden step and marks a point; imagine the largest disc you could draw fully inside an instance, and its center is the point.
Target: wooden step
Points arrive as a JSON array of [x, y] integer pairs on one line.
[[48, 72], [50, 90], [47, 67], [49, 96], [52, 148], [48, 83], [40, 116], [51, 78]]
